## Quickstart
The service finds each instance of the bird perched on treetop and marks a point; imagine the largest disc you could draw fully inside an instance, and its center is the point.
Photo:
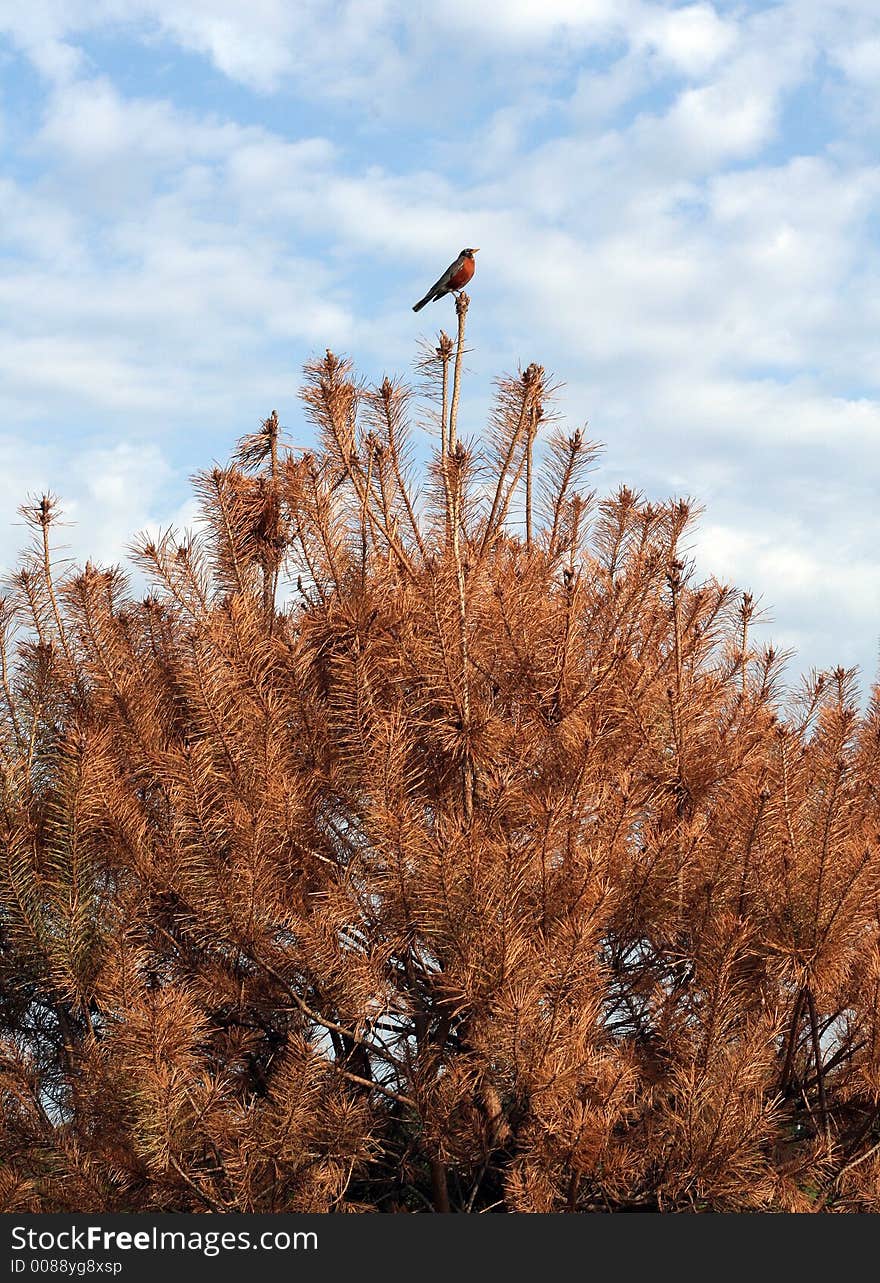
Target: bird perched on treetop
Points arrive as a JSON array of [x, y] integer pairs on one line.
[[453, 279]]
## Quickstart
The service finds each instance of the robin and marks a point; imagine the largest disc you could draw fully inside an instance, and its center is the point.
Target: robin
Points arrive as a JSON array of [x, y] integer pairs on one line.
[[454, 278]]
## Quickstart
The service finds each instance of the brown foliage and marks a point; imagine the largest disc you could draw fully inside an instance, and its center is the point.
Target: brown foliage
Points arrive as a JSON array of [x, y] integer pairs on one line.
[[489, 872]]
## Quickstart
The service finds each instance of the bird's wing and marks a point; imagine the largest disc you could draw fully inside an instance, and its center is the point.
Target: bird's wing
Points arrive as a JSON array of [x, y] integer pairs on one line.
[[447, 276]]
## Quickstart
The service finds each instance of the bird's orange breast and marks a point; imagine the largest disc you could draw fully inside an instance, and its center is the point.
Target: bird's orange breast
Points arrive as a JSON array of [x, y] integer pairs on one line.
[[463, 275]]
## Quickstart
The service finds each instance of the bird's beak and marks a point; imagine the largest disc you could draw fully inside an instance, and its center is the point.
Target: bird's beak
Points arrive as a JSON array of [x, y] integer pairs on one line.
[[476, 251]]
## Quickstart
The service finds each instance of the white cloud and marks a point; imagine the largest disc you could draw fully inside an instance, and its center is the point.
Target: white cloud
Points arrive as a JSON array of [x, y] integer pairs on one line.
[[825, 600], [720, 122], [42, 230], [860, 61], [133, 284], [51, 367], [114, 491], [692, 39], [524, 20], [338, 48], [753, 412], [109, 492]]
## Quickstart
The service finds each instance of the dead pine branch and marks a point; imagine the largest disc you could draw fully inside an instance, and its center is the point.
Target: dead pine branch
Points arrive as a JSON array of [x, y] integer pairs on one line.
[[490, 869]]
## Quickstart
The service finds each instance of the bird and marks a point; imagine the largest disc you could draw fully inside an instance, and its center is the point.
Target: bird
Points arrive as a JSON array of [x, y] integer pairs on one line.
[[454, 278]]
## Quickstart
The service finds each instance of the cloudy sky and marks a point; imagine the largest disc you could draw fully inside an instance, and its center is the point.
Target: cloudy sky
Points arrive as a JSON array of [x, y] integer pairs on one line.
[[678, 209]]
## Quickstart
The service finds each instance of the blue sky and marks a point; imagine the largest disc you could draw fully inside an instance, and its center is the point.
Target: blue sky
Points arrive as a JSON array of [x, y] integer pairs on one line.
[[678, 209]]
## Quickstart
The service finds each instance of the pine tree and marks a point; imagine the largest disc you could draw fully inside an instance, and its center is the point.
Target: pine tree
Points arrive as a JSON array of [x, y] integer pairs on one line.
[[488, 871]]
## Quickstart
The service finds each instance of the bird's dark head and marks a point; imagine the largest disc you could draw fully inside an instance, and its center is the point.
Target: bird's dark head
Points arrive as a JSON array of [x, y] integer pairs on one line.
[[469, 253]]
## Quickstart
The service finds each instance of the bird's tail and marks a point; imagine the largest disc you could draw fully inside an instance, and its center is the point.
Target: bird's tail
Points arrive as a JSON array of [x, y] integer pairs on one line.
[[421, 303]]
